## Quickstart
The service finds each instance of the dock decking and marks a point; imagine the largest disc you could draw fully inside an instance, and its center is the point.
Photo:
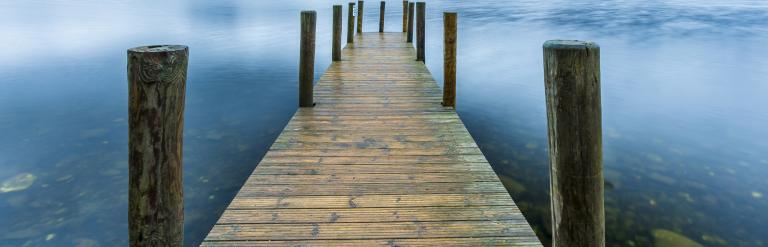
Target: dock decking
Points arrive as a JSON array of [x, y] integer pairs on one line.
[[377, 162]]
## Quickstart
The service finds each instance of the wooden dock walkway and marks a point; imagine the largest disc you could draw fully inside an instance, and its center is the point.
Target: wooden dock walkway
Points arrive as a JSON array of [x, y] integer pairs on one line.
[[377, 162]]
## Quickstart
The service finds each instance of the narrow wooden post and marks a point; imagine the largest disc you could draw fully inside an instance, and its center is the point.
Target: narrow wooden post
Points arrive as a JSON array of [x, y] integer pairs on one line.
[[359, 16], [449, 59], [405, 16], [307, 58], [409, 37], [421, 9], [572, 83], [336, 50], [157, 78], [351, 24], [381, 17]]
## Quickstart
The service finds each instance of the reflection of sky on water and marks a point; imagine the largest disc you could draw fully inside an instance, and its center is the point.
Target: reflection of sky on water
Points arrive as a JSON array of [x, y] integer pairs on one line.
[[683, 83]]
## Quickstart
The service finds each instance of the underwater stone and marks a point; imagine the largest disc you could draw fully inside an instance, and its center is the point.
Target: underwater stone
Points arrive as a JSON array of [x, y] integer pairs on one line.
[[18, 182], [667, 238]]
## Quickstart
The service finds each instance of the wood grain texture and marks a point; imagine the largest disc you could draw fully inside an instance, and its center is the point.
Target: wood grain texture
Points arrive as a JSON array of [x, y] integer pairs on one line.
[[360, 11], [378, 161], [421, 12], [336, 43], [157, 77], [307, 58], [572, 83], [449, 59], [409, 36], [351, 23], [405, 16]]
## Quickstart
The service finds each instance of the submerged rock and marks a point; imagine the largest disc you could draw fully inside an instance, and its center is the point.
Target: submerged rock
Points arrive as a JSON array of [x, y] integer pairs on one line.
[[667, 238], [18, 182]]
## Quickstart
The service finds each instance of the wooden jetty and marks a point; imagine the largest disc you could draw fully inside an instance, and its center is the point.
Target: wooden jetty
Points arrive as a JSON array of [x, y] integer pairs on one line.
[[377, 161], [376, 154]]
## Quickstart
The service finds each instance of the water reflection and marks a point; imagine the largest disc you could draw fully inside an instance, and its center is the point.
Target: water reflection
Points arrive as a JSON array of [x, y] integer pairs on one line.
[[682, 85]]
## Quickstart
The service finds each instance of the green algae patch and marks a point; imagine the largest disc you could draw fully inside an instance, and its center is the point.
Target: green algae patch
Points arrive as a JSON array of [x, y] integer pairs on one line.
[[667, 238]]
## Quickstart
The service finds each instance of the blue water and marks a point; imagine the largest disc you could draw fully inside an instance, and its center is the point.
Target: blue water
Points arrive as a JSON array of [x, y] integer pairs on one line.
[[683, 90]]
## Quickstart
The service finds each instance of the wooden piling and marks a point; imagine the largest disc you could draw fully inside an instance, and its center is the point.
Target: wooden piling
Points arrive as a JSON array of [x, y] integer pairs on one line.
[[572, 81], [351, 24], [449, 59], [359, 16], [307, 58], [336, 50], [405, 16], [409, 36], [381, 17], [157, 78], [421, 8]]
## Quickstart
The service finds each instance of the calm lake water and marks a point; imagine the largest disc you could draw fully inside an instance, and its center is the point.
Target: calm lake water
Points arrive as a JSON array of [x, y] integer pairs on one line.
[[684, 95]]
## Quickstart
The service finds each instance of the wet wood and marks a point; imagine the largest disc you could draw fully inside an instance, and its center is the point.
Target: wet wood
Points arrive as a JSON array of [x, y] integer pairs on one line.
[[351, 23], [572, 83], [157, 77], [336, 50], [307, 58], [360, 16], [409, 38], [381, 16], [378, 161], [421, 11]]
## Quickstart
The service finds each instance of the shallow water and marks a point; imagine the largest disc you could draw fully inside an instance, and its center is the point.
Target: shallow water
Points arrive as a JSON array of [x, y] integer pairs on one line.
[[683, 90]]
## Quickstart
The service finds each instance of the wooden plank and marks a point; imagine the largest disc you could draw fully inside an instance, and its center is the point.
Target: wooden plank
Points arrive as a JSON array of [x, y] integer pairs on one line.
[[377, 162], [368, 215], [387, 242]]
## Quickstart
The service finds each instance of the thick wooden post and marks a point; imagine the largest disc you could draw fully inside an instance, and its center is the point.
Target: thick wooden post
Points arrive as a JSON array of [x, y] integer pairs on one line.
[[307, 58], [381, 17], [359, 16], [449, 59], [409, 38], [157, 77], [421, 10], [405, 16], [351, 23], [336, 50], [572, 83]]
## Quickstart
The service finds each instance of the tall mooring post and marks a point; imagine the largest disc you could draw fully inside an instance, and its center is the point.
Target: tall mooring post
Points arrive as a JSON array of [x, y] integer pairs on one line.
[[307, 58], [360, 16], [405, 16], [421, 9], [157, 78], [449, 59], [336, 50], [572, 86], [351, 23], [381, 16], [409, 36]]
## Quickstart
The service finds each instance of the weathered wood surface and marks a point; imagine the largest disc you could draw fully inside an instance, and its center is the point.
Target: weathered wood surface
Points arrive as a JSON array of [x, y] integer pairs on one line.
[[351, 23], [377, 162], [421, 19], [449, 59], [360, 16], [572, 86], [157, 77], [411, 6], [336, 50], [307, 58], [381, 16], [405, 16]]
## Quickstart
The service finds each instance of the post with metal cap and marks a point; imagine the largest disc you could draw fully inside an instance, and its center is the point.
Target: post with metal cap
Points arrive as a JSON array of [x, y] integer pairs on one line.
[[381, 17], [157, 78], [336, 50], [351, 24], [360, 16], [449, 59], [572, 86], [307, 58], [421, 10], [405, 16], [409, 37]]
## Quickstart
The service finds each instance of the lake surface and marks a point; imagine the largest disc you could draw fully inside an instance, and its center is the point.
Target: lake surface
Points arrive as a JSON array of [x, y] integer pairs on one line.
[[684, 87]]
